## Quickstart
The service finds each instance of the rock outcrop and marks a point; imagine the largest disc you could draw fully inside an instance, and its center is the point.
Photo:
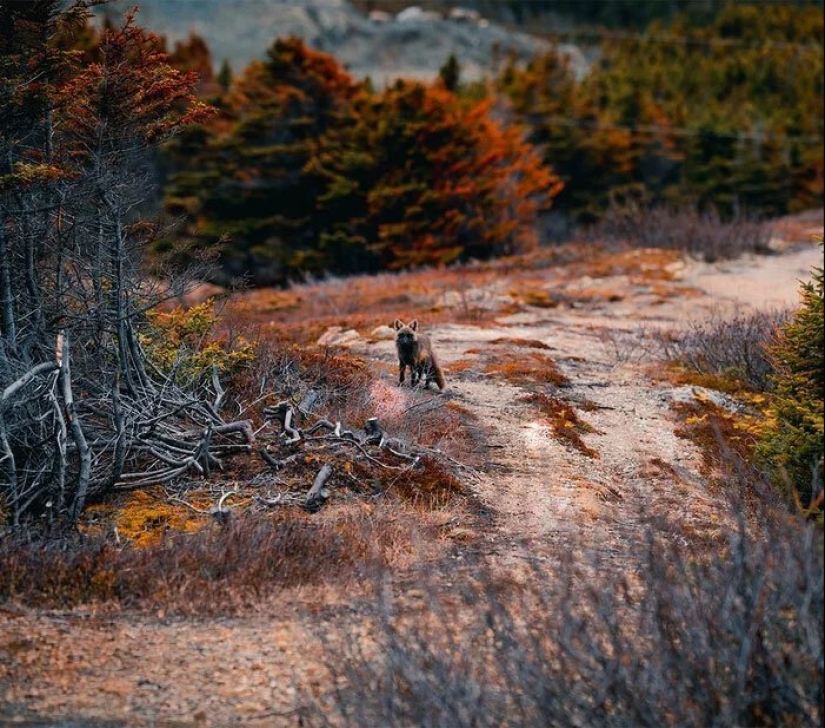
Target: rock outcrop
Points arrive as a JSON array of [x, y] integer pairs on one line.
[[412, 44]]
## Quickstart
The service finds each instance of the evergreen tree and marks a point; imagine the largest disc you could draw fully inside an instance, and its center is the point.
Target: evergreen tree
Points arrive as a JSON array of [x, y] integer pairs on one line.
[[793, 443], [311, 172], [731, 116], [242, 180], [225, 76], [450, 74]]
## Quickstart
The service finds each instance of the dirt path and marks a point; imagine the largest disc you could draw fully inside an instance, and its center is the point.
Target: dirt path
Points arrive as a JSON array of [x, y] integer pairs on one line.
[[547, 495]]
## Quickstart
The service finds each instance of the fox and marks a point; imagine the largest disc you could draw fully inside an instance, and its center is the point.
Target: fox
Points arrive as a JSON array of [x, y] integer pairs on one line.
[[415, 351]]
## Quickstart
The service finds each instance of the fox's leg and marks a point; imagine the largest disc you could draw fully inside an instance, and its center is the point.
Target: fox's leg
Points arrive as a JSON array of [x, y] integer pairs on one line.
[[416, 375], [401, 368]]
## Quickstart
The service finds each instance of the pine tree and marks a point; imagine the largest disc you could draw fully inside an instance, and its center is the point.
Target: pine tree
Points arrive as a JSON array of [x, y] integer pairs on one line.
[[450, 74], [793, 445], [243, 179], [225, 76], [74, 129]]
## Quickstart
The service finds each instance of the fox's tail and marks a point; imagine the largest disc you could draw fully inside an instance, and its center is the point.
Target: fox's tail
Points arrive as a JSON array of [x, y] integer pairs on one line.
[[438, 374]]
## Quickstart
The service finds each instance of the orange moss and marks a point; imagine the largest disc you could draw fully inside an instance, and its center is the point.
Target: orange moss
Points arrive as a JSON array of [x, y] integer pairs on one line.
[[718, 433], [526, 368], [564, 422], [457, 367], [144, 518], [642, 264], [680, 375], [523, 343], [429, 487], [536, 298]]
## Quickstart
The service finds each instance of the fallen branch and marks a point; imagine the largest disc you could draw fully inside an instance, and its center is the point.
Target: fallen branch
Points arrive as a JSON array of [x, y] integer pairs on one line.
[[10, 391], [316, 496], [274, 462]]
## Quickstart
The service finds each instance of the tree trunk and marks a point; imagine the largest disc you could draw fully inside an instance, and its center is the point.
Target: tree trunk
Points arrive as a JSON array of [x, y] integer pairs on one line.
[[79, 437], [9, 332]]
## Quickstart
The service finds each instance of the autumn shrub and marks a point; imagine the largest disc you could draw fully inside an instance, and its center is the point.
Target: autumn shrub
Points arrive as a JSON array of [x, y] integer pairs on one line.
[[705, 235], [182, 344], [731, 637], [729, 351], [792, 445]]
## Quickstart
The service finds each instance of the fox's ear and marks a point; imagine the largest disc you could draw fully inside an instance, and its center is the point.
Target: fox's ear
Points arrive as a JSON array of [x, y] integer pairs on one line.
[[414, 325], [399, 324]]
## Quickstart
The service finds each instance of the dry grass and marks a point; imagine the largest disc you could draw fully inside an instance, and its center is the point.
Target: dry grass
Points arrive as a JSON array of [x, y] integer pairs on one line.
[[730, 637], [302, 313], [234, 567], [522, 343], [564, 422], [730, 350]]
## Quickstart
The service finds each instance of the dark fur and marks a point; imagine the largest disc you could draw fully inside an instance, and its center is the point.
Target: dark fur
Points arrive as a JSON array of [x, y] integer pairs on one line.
[[416, 352]]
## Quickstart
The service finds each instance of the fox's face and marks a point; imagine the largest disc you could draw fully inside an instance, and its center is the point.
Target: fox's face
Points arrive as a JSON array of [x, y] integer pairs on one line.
[[405, 334]]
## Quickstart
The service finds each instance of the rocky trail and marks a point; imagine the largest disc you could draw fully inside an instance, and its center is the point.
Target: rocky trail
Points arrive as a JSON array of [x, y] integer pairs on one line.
[[548, 496]]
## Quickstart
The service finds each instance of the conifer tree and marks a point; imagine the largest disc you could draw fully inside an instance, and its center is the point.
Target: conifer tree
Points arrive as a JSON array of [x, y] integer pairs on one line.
[[793, 443]]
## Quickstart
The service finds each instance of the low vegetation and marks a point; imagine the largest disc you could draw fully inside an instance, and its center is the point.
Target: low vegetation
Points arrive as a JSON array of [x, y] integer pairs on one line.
[[705, 235], [688, 637], [772, 362], [222, 568], [564, 422], [728, 351]]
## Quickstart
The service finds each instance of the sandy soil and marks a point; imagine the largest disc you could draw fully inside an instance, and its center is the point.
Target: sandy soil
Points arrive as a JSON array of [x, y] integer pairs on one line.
[[547, 497]]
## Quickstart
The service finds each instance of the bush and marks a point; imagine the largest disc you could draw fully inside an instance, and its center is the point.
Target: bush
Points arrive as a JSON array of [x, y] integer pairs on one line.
[[792, 445], [181, 344], [684, 640], [732, 350], [219, 570], [703, 235]]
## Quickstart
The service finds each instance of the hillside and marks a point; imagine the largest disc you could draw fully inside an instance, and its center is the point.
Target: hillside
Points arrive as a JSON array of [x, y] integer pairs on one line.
[[231, 504], [414, 46], [539, 501]]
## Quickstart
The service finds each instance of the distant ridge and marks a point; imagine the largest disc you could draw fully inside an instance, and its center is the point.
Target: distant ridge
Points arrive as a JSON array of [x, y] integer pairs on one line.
[[413, 44]]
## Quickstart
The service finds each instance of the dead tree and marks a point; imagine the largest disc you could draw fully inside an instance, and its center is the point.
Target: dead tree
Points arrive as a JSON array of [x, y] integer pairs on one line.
[[84, 409]]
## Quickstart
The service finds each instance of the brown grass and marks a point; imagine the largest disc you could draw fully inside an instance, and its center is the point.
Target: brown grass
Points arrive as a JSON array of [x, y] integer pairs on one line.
[[221, 569], [302, 313], [564, 422], [430, 487], [538, 298]]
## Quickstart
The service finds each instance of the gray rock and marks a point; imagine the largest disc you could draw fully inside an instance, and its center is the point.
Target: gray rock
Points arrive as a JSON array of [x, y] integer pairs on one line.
[[689, 394]]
